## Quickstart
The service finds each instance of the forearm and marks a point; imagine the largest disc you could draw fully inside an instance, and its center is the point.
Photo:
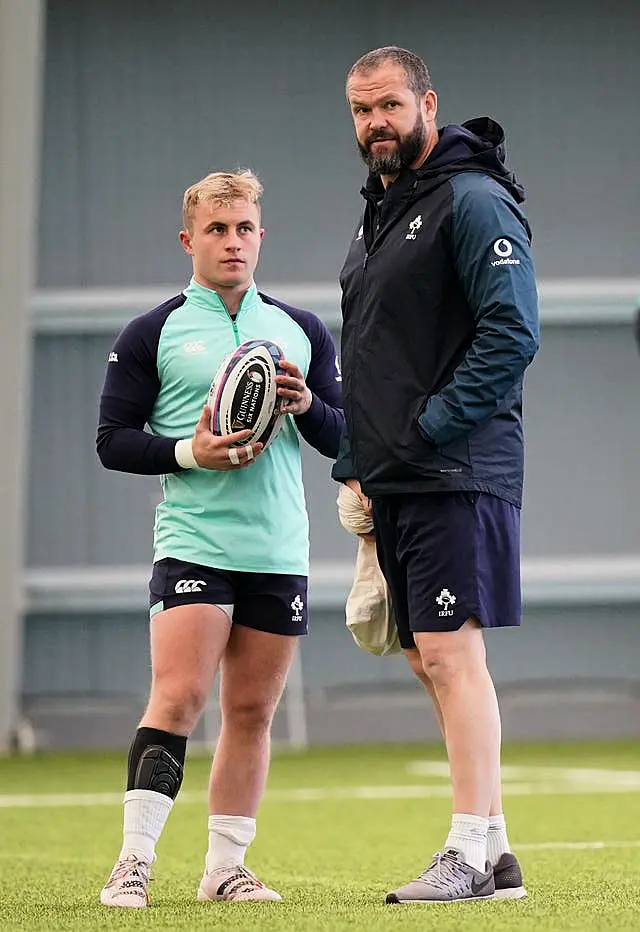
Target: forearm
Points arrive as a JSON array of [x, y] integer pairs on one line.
[[126, 449], [321, 426], [482, 382]]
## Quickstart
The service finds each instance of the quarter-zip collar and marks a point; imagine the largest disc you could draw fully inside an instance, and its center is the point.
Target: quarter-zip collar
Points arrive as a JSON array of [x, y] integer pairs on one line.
[[210, 300]]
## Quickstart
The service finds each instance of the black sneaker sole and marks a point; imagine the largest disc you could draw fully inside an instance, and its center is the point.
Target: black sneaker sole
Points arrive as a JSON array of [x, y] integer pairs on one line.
[[392, 898]]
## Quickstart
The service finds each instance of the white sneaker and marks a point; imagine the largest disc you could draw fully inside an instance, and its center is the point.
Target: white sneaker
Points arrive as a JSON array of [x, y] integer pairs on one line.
[[234, 883], [127, 884]]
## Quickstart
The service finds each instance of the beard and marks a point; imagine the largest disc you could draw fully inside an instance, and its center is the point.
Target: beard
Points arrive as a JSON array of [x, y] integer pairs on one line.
[[407, 150]]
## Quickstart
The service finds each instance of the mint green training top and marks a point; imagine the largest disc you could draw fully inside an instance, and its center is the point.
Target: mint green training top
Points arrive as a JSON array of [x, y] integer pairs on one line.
[[159, 372]]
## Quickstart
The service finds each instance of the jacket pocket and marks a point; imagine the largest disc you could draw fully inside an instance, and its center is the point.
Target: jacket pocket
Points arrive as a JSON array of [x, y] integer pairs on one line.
[[457, 451]]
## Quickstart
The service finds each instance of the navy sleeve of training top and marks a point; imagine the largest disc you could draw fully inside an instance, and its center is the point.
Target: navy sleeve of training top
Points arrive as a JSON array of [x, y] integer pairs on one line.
[[492, 254], [344, 467], [130, 390], [321, 426]]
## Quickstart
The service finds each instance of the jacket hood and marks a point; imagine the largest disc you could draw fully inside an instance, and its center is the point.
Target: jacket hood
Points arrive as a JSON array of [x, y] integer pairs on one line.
[[477, 145]]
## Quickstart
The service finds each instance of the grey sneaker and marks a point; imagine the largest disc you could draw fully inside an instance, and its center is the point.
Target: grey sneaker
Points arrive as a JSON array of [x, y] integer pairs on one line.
[[447, 879], [508, 879]]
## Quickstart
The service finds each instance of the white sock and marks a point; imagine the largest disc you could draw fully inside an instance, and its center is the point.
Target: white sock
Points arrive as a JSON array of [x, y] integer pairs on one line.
[[468, 834], [145, 814], [229, 838], [497, 841]]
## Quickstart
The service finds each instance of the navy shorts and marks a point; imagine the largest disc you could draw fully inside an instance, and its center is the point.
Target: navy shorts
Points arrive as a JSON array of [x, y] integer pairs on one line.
[[271, 602], [447, 557]]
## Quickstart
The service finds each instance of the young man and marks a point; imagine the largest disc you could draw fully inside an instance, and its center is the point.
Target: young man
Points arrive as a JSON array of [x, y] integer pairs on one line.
[[440, 321], [229, 582]]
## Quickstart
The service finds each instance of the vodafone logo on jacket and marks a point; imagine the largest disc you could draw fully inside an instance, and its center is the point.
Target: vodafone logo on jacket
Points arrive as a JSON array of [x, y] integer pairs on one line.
[[503, 249]]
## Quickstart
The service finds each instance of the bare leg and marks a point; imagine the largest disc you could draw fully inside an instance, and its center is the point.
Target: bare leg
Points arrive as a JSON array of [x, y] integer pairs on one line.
[[415, 662], [186, 645], [253, 675], [455, 665]]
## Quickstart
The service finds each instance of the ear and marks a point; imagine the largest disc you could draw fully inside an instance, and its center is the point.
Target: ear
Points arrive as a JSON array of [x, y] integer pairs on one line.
[[430, 101], [185, 242], [261, 234]]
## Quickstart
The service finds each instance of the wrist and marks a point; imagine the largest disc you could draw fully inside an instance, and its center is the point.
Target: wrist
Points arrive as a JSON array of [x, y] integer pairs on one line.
[[183, 452], [308, 401]]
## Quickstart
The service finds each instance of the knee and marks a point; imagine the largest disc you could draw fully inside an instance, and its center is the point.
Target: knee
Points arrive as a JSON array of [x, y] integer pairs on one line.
[[179, 704], [249, 715], [447, 655], [439, 665], [443, 661]]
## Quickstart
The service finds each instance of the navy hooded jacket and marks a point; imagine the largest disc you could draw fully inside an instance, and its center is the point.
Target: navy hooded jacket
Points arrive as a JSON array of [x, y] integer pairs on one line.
[[440, 321]]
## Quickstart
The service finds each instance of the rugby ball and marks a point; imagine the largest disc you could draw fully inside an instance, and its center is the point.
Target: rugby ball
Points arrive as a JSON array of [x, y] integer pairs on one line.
[[243, 394]]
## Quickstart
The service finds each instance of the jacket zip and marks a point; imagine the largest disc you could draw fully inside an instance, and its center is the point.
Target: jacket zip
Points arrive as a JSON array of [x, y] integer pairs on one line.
[[233, 320], [353, 393]]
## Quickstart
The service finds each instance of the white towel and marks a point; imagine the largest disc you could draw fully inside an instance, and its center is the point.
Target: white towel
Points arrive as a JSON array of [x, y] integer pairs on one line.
[[369, 613]]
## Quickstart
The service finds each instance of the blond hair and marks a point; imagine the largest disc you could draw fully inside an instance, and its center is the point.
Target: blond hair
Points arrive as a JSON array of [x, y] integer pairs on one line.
[[223, 188]]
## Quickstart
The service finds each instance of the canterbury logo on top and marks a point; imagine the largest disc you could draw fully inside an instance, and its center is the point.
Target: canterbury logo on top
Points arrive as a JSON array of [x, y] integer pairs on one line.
[[189, 585]]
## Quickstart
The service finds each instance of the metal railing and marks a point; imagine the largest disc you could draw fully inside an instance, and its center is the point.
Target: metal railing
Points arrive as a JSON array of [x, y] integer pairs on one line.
[[98, 310], [545, 581]]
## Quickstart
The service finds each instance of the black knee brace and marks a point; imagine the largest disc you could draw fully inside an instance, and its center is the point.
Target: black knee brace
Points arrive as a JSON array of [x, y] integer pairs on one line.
[[158, 770], [156, 760]]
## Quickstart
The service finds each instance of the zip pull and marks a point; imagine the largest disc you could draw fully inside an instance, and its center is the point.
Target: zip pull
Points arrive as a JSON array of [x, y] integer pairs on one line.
[[235, 330]]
